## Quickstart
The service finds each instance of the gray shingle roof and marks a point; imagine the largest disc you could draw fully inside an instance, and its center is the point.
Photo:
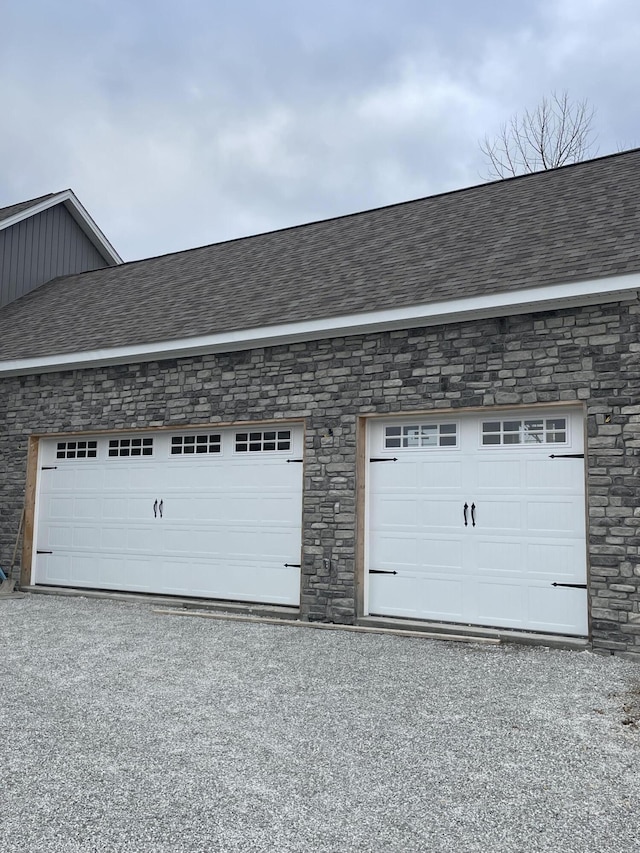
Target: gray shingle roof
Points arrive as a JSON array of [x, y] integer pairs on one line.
[[577, 222], [12, 209]]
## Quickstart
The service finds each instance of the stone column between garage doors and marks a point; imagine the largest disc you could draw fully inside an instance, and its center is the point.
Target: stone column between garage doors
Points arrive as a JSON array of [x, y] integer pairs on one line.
[[329, 520]]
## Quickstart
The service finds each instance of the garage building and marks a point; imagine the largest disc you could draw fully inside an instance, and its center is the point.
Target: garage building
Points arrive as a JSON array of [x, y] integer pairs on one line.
[[423, 414]]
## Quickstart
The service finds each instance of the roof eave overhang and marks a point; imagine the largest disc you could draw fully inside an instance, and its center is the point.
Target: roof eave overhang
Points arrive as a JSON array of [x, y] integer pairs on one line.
[[80, 215], [527, 301]]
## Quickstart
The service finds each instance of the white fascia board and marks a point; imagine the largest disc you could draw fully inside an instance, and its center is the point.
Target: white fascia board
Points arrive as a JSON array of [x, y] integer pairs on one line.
[[79, 213], [575, 294]]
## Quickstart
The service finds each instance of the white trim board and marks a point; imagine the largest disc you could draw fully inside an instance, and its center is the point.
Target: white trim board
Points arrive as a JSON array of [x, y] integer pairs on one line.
[[80, 215], [530, 300]]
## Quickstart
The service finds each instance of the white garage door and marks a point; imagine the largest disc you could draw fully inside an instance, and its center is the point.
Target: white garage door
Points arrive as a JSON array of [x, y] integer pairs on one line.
[[479, 520], [214, 513]]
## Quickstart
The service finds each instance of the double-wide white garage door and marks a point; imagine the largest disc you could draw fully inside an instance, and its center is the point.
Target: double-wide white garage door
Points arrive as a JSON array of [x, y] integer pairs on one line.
[[215, 513], [479, 519]]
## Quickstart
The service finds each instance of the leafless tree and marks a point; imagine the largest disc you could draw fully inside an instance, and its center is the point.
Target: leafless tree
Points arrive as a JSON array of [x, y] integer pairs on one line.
[[558, 131]]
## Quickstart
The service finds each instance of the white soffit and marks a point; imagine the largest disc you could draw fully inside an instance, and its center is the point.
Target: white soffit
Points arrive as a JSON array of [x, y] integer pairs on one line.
[[79, 213], [575, 294]]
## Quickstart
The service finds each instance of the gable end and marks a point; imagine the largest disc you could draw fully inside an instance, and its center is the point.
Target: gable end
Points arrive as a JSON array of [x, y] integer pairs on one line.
[[42, 247]]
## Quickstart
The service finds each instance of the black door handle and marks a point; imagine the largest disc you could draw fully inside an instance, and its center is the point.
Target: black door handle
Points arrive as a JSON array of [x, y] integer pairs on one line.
[[155, 509], [160, 505], [473, 514], [464, 512]]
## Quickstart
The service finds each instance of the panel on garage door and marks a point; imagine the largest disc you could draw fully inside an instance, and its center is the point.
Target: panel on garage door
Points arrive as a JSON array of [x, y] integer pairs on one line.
[[213, 514], [479, 520]]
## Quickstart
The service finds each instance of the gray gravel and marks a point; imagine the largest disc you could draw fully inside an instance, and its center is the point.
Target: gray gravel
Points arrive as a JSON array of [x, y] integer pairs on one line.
[[126, 730]]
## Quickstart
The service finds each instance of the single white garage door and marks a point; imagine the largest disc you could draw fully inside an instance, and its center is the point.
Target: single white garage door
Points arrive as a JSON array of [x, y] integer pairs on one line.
[[215, 513], [479, 520]]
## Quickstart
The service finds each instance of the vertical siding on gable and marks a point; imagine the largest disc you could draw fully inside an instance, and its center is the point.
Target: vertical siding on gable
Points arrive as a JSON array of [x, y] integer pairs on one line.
[[43, 247]]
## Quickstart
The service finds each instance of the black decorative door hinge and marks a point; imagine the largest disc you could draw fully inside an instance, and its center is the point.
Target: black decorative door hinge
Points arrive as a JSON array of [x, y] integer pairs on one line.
[[44, 552], [385, 459], [571, 585], [566, 456], [49, 467], [295, 460], [381, 572], [292, 566]]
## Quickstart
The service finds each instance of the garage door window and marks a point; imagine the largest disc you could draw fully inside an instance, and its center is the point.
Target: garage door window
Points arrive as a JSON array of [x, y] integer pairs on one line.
[[420, 436], [182, 445], [131, 447], [76, 450], [253, 442], [528, 431]]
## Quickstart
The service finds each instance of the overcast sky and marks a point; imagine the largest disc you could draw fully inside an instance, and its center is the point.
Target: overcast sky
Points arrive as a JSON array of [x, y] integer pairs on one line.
[[184, 123]]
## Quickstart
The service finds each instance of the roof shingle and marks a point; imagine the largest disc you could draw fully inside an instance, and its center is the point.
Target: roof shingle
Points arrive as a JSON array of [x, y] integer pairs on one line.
[[12, 209], [575, 223]]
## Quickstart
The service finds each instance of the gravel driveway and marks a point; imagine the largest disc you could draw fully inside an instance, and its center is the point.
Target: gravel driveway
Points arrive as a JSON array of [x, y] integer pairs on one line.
[[127, 730]]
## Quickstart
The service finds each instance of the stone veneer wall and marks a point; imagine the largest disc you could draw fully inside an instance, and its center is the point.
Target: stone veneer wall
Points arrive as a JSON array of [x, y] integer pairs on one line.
[[590, 354]]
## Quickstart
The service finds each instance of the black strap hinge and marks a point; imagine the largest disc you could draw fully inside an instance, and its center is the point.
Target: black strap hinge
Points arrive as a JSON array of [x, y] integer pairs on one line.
[[292, 566], [571, 585], [44, 552], [295, 460], [566, 456], [385, 459], [49, 467], [381, 572]]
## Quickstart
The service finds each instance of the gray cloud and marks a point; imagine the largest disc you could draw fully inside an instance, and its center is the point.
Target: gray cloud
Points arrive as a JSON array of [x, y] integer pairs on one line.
[[179, 125]]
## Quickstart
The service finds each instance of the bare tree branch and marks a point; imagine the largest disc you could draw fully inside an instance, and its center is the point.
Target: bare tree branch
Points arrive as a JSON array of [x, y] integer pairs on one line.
[[558, 131]]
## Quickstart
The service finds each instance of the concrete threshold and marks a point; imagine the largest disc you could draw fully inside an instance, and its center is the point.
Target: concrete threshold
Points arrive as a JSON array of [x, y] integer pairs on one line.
[[291, 614], [329, 626], [478, 632], [278, 615]]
